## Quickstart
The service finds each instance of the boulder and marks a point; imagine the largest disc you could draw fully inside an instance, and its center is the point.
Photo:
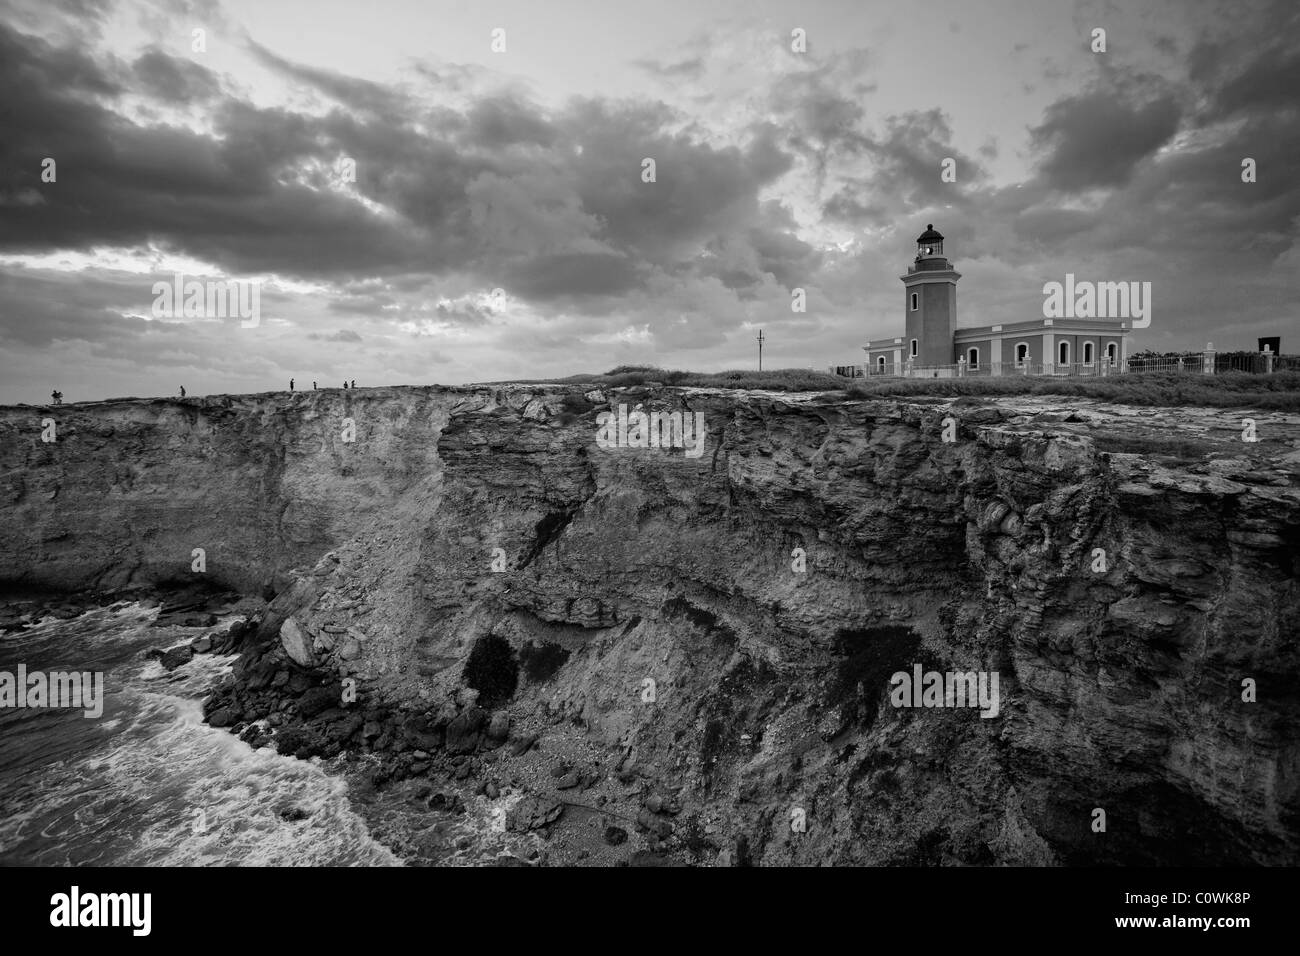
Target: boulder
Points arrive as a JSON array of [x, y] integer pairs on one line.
[[523, 745], [223, 641], [317, 700], [466, 731], [498, 728], [296, 643], [533, 813], [421, 733], [177, 656], [298, 683]]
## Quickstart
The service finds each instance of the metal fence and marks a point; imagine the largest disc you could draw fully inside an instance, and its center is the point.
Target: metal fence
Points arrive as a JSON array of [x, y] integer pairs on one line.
[[1196, 363], [984, 370], [1256, 363]]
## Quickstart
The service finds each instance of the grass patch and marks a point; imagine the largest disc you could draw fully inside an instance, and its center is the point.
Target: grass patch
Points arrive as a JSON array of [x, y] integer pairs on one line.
[[1279, 391], [624, 376]]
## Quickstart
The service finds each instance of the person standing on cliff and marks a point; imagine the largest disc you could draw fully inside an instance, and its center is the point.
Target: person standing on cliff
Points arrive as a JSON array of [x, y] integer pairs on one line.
[[291, 385], [354, 383], [313, 385], [345, 383], [182, 391]]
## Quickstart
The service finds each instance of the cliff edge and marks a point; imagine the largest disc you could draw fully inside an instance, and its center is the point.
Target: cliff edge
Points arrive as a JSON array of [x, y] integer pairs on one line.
[[704, 642]]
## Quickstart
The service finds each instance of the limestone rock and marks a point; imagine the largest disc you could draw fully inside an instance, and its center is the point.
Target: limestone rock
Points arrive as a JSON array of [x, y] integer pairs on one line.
[[296, 644]]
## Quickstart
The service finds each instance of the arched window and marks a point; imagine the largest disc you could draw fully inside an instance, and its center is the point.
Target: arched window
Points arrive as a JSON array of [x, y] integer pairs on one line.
[[1022, 353], [916, 301], [1063, 354], [973, 358], [1111, 353], [914, 353], [1087, 353], [880, 362]]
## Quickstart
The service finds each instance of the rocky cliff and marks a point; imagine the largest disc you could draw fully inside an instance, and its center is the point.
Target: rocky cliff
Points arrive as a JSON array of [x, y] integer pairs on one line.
[[701, 645]]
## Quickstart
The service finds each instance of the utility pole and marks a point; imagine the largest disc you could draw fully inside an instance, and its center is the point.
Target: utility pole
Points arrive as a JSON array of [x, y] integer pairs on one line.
[[760, 350]]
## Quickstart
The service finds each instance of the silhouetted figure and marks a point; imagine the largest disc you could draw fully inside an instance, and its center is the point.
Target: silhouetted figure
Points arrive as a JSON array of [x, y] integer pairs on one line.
[[182, 391], [354, 383], [57, 397], [291, 385], [345, 384], [313, 386]]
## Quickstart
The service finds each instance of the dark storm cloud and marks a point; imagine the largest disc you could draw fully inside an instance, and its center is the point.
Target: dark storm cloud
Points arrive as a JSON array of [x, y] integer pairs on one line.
[[823, 119], [691, 68], [1188, 200], [123, 184], [360, 95], [342, 335], [873, 168], [550, 205], [1166, 45], [499, 121], [744, 260], [67, 17], [905, 163], [699, 191], [571, 275], [42, 309], [1099, 137], [785, 256], [1255, 81], [170, 79]]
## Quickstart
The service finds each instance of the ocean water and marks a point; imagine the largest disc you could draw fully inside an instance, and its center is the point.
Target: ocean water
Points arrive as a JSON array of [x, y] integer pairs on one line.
[[148, 783]]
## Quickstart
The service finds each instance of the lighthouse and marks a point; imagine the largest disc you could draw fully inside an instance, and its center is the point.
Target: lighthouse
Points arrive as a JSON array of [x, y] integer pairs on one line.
[[932, 346], [930, 303]]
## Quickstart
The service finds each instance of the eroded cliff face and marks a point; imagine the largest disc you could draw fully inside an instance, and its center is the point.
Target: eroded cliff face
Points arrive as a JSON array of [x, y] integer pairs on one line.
[[704, 644]]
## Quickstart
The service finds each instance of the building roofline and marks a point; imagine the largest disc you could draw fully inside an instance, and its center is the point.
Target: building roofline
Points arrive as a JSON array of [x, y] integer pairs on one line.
[[949, 275], [1100, 326]]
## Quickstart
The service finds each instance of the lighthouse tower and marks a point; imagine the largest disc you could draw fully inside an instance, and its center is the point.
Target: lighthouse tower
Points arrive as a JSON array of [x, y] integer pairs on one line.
[[930, 303]]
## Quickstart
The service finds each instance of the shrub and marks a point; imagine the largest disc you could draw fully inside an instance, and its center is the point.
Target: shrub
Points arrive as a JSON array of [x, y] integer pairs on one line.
[[540, 662], [1280, 391], [1277, 391], [778, 380]]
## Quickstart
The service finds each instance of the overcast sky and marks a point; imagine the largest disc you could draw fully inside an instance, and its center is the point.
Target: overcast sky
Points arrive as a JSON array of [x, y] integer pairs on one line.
[[521, 171]]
